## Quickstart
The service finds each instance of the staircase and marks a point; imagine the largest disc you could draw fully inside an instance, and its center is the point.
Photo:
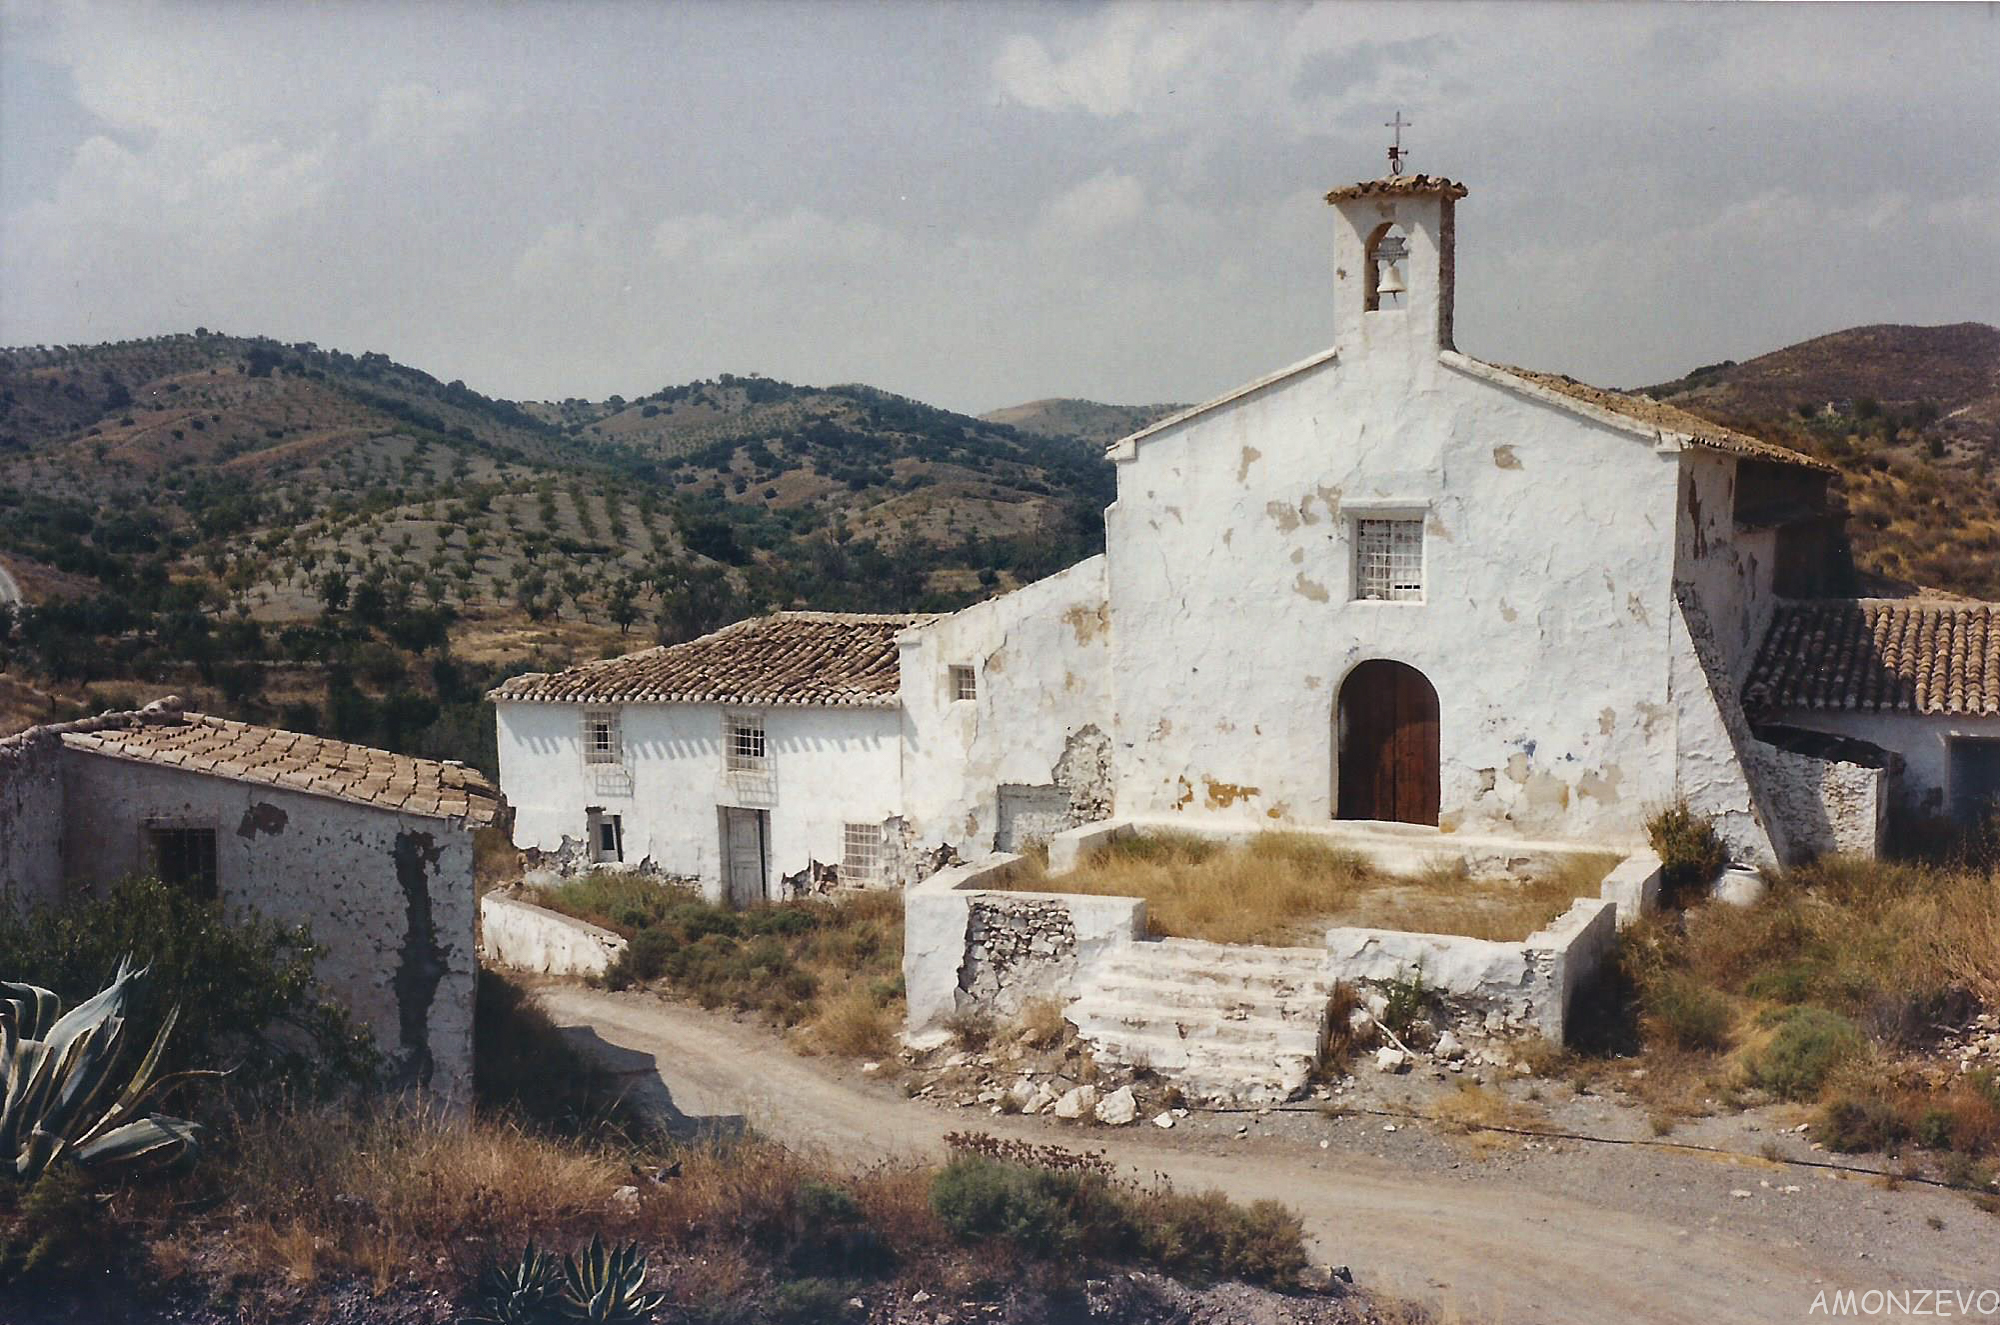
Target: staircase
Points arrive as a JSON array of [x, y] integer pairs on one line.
[[1227, 1024]]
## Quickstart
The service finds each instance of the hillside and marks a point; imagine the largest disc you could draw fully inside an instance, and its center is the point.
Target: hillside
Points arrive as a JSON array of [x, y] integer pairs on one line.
[[307, 532], [1911, 415], [1085, 420]]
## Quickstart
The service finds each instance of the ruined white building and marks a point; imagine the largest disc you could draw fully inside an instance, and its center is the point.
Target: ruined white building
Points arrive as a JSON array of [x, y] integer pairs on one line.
[[1390, 582], [371, 851]]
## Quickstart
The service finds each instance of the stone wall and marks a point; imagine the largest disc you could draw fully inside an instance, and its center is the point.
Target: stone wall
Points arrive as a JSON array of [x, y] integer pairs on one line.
[[1528, 987], [966, 946]]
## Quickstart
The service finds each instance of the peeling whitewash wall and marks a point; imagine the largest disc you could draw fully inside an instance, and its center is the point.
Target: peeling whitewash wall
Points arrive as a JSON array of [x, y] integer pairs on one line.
[[1037, 735], [1543, 630], [828, 767], [389, 895]]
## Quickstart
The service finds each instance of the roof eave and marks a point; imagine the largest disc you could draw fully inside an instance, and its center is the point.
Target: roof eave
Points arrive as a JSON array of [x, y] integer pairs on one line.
[[1127, 447]]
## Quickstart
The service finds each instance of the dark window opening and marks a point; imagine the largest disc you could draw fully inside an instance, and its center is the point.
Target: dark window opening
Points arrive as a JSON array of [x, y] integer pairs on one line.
[[184, 858], [607, 836]]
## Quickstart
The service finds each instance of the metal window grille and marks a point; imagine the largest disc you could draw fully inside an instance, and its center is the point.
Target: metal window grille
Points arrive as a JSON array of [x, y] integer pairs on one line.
[[1389, 560], [602, 743], [861, 854], [964, 683], [746, 745], [185, 858]]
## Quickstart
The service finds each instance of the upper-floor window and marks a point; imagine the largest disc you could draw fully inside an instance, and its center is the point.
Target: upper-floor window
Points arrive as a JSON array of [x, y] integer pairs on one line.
[[602, 741], [1389, 560], [743, 744], [964, 682]]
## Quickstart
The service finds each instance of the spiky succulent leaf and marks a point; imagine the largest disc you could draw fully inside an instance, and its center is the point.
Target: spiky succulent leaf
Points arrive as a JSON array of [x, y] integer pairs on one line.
[[606, 1286], [63, 1093]]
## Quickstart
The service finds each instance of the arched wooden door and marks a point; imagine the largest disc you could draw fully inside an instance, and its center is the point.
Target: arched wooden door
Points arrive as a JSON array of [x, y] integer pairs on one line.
[[1388, 742]]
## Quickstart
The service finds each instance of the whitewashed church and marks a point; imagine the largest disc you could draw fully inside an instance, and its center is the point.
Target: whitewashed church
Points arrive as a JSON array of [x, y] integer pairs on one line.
[[1390, 582]]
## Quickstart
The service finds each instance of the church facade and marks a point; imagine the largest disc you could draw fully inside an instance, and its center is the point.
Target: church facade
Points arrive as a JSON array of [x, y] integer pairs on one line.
[[1390, 582]]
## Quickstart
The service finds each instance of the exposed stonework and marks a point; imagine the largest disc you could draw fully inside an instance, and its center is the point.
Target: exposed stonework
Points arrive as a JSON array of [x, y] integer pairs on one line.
[[1016, 949]]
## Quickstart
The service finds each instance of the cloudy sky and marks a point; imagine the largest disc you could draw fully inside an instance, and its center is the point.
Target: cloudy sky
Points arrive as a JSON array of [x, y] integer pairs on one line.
[[981, 204]]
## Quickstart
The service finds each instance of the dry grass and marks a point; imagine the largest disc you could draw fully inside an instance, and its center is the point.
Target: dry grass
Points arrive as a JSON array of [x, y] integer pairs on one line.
[[1282, 887], [1473, 1110], [1041, 1024], [855, 1023], [330, 1194]]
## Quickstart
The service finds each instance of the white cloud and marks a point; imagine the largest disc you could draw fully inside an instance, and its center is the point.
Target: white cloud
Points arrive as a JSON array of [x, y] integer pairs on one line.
[[1106, 202], [1114, 63]]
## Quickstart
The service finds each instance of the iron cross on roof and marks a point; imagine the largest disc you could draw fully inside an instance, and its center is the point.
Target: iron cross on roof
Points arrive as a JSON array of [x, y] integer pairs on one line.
[[1396, 152]]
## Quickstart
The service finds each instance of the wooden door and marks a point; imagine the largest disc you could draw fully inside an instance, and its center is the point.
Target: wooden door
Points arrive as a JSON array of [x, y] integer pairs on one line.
[[743, 855], [1388, 743]]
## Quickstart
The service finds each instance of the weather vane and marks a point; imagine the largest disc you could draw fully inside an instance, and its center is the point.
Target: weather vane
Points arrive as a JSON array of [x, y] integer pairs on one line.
[[1396, 152]]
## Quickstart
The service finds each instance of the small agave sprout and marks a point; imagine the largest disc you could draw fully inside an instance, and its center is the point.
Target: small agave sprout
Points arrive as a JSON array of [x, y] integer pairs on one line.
[[606, 1286], [526, 1292], [67, 1097]]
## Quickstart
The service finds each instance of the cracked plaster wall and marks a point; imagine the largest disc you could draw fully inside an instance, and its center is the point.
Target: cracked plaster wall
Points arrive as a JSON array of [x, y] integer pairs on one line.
[[828, 767], [1544, 629], [389, 895], [1040, 720]]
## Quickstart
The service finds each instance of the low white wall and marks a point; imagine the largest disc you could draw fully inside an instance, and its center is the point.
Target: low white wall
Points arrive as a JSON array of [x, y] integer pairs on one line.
[[1633, 886], [1024, 945], [533, 938], [1525, 986]]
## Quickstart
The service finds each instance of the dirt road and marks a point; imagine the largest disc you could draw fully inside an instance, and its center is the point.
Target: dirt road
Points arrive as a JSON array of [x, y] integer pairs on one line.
[[1588, 1235]]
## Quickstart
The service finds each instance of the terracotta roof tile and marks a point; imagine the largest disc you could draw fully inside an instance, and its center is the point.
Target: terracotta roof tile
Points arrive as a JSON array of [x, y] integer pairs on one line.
[[1394, 185], [1668, 418], [789, 658], [1894, 655], [243, 753]]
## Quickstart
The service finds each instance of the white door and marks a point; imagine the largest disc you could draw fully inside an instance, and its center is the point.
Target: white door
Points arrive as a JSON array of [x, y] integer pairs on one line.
[[743, 853]]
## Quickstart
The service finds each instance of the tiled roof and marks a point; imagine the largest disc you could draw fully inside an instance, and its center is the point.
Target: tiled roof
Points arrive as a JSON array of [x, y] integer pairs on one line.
[[1668, 418], [788, 658], [1895, 655], [358, 774], [1393, 185]]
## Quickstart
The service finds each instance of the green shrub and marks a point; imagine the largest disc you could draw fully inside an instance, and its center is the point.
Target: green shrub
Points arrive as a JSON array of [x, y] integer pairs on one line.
[[979, 1198], [644, 958], [248, 1000], [1684, 1013], [1850, 1123], [1408, 999], [1690, 853], [1791, 982], [1811, 1042], [1207, 1236], [806, 1302]]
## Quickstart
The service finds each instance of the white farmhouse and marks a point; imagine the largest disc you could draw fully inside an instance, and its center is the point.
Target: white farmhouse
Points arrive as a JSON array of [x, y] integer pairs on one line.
[[1390, 582], [371, 851]]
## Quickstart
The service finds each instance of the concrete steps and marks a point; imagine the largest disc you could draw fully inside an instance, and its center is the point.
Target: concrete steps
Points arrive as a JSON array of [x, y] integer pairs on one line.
[[1228, 1025]]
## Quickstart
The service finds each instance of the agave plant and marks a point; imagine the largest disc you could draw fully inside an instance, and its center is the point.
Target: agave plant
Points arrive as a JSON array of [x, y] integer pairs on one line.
[[607, 1286], [524, 1293], [68, 1097]]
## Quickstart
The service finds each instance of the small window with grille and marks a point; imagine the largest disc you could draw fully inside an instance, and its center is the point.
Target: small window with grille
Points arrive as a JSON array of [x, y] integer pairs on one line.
[[861, 854], [184, 858], [964, 683], [744, 744], [602, 741], [1389, 560]]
